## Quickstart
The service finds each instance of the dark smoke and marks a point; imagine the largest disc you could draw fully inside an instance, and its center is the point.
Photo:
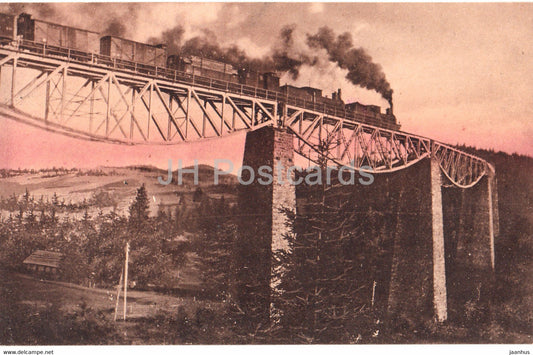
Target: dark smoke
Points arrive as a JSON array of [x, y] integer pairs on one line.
[[362, 71], [45, 10], [283, 54], [115, 28], [288, 54], [207, 46], [172, 38], [117, 19], [39, 10], [283, 58]]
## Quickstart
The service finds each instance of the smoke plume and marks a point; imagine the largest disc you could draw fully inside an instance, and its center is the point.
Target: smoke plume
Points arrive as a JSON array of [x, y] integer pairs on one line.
[[115, 28], [286, 57], [286, 54], [362, 70], [289, 52]]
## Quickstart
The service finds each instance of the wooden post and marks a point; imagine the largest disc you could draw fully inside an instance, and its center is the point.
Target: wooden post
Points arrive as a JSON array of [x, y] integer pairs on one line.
[[373, 293], [126, 278], [118, 294]]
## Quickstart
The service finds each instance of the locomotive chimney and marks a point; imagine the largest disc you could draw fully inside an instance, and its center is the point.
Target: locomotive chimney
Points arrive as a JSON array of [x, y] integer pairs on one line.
[[390, 103], [339, 97]]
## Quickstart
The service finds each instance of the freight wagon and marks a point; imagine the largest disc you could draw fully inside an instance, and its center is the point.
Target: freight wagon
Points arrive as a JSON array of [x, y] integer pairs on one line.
[[358, 107], [310, 95], [212, 65], [7, 28], [126, 51], [58, 36], [203, 67]]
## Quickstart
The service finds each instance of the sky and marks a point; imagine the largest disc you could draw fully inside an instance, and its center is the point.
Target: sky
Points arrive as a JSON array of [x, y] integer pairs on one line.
[[461, 73]]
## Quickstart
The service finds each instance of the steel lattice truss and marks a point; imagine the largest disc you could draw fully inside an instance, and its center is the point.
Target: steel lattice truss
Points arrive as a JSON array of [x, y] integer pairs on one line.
[[93, 101], [117, 105], [377, 150]]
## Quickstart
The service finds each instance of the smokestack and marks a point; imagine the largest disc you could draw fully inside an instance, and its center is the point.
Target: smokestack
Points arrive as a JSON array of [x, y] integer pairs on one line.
[[339, 97], [390, 103]]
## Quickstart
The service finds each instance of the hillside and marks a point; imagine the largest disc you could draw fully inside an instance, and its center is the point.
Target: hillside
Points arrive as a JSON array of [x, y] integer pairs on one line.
[[197, 235], [514, 246], [108, 188]]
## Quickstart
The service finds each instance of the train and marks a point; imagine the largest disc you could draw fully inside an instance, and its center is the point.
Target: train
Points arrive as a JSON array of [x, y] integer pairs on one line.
[[44, 37]]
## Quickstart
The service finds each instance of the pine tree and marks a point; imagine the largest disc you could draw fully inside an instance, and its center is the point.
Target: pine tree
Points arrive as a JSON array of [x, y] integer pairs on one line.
[[326, 273], [140, 208], [217, 233], [151, 262]]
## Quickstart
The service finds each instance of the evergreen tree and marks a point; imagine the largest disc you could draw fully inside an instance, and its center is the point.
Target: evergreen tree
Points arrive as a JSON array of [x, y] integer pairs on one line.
[[217, 233], [151, 261], [140, 208], [326, 274]]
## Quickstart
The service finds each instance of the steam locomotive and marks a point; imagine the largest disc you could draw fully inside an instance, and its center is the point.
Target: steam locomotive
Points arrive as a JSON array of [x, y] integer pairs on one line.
[[83, 45]]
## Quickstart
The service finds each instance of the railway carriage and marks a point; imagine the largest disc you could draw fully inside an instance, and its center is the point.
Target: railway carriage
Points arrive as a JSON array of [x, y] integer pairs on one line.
[[48, 38]]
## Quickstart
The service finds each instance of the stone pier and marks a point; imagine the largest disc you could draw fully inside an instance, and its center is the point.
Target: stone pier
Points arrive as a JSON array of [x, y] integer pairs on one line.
[[437, 231], [263, 226], [471, 227], [439, 239]]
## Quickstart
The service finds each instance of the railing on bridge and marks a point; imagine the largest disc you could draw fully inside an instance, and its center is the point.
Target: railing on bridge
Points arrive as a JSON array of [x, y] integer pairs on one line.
[[219, 107], [72, 55]]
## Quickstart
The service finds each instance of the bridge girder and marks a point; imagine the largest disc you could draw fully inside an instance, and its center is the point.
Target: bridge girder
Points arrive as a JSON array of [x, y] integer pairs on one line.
[[123, 105], [126, 107], [378, 150]]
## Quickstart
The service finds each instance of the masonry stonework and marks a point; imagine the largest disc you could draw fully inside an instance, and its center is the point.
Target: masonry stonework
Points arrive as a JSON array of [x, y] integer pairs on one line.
[[438, 239], [264, 223]]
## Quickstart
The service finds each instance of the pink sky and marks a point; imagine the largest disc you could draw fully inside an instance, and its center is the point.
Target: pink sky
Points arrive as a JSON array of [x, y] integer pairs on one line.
[[24, 146], [461, 73]]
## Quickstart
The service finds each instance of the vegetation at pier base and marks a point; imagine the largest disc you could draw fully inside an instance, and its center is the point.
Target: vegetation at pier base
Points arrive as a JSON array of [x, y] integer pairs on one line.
[[330, 247], [217, 232], [327, 285]]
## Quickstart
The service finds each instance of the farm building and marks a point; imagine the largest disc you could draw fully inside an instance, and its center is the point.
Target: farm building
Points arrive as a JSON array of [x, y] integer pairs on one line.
[[43, 262]]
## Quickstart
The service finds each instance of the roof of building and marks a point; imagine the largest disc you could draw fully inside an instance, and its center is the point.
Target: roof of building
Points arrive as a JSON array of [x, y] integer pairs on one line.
[[44, 258]]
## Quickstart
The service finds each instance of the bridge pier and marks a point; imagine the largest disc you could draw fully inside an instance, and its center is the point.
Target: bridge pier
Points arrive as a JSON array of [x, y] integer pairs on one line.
[[439, 267], [417, 290], [471, 219], [262, 229], [440, 238]]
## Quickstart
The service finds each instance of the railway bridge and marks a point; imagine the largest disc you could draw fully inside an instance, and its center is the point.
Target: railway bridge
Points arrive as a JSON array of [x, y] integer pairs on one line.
[[94, 98]]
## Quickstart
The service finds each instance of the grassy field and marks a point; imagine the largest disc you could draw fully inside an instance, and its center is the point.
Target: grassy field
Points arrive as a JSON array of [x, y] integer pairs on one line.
[[41, 312], [38, 311]]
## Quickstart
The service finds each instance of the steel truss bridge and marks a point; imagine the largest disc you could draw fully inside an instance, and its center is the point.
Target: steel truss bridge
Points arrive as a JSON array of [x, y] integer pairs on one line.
[[101, 100]]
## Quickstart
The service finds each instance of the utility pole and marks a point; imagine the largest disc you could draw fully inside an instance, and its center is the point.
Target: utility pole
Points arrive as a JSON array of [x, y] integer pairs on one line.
[[118, 295], [126, 278]]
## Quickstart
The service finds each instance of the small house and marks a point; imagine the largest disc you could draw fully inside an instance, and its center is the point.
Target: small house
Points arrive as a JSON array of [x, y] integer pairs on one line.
[[44, 262]]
